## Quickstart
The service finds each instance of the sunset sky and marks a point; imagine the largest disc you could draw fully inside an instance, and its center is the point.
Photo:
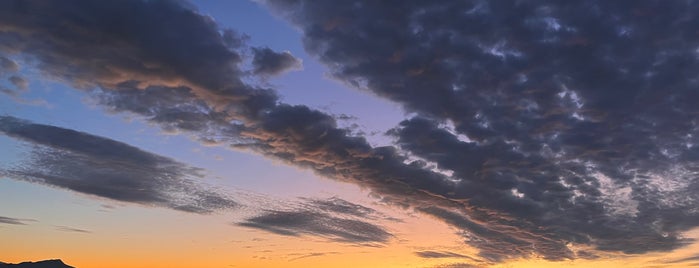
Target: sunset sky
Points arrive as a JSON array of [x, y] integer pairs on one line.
[[303, 133]]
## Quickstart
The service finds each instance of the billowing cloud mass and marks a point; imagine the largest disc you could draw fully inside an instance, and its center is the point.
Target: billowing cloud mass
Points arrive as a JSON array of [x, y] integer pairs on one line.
[[268, 62], [106, 168], [577, 119], [539, 128], [334, 219]]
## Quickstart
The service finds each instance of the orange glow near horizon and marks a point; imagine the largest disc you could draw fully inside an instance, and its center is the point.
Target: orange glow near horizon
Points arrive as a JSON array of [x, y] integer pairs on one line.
[[153, 237]]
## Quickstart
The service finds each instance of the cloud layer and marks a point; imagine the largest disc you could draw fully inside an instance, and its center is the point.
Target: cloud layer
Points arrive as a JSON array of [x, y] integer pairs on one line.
[[14, 221], [106, 168], [560, 122], [538, 126], [334, 219]]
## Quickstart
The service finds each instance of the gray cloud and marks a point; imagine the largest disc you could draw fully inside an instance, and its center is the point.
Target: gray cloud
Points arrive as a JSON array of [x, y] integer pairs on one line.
[[174, 93], [18, 82], [559, 122], [684, 260], [7, 66], [334, 219], [14, 221], [138, 43], [340, 206], [9, 92], [430, 254], [315, 254], [296, 223], [106, 168], [72, 230], [457, 265], [174, 110], [7, 69], [267, 62]]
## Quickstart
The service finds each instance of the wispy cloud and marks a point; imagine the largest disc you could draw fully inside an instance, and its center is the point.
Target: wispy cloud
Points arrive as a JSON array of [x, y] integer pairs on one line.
[[457, 265], [431, 254], [15, 221], [315, 254], [335, 219], [71, 229], [685, 260], [102, 167]]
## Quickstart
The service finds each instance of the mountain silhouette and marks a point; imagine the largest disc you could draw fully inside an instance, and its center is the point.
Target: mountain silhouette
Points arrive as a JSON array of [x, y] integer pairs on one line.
[[39, 264]]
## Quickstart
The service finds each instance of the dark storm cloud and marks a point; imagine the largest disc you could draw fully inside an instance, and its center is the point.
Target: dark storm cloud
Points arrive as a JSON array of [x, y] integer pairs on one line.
[[106, 168], [267, 62], [14, 221], [334, 219], [562, 122]]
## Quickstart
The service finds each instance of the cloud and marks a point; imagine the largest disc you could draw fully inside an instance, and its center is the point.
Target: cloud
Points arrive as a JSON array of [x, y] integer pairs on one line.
[[124, 42], [430, 254], [558, 122], [182, 74], [538, 126], [345, 222], [7, 69], [267, 62], [174, 110], [14, 221], [18, 82], [315, 254], [684, 260], [457, 265], [98, 166], [8, 66], [72, 230], [340, 206]]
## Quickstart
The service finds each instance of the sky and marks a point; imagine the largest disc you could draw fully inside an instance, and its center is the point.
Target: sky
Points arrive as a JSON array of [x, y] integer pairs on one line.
[[299, 133]]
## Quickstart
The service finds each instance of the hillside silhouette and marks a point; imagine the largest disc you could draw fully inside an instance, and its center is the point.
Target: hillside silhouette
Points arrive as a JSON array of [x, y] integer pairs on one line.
[[39, 264]]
